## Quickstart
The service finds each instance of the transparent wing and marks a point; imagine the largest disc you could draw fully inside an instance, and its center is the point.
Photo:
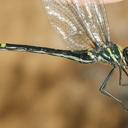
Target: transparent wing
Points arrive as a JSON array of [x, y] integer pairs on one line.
[[83, 24]]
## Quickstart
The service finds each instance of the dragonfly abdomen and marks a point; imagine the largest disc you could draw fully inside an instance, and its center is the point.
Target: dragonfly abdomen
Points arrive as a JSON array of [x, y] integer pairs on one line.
[[84, 56]]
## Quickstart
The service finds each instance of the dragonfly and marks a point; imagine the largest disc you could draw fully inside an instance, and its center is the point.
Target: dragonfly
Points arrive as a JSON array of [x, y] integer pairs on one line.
[[84, 26]]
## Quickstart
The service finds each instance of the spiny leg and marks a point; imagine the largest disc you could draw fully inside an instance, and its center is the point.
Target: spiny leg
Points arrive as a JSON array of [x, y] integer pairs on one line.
[[120, 76], [120, 83], [104, 85]]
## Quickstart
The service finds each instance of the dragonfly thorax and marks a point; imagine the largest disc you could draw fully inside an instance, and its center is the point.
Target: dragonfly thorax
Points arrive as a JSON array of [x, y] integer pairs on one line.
[[112, 55]]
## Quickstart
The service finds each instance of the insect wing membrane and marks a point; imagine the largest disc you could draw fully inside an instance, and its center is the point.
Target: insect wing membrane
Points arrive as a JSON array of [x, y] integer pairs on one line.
[[82, 23]]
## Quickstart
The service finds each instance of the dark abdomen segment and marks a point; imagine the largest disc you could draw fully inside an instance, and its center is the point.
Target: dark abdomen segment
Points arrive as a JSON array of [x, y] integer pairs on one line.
[[81, 56]]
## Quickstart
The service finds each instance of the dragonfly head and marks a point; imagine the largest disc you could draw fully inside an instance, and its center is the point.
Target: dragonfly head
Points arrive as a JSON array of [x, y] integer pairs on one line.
[[125, 54]]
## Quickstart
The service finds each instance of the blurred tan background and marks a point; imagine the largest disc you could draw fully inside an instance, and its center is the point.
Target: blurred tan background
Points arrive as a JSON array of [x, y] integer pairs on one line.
[[40, 91]]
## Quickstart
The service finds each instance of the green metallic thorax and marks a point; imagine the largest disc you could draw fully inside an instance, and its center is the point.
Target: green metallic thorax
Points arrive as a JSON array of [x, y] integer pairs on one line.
[[112, 55]]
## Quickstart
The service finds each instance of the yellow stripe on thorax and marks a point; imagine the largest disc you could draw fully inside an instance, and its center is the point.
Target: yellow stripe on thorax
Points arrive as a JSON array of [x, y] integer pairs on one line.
[[112, 55]]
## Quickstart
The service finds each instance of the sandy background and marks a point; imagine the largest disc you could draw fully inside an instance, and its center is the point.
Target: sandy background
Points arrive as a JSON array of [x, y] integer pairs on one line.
[[40, 91]]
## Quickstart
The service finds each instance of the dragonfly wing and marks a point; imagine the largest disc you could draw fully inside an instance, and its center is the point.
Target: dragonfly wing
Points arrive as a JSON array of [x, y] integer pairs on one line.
[[82, 23]]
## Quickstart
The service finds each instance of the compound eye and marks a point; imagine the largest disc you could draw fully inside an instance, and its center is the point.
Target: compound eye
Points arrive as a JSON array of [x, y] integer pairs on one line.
[[125, 54]]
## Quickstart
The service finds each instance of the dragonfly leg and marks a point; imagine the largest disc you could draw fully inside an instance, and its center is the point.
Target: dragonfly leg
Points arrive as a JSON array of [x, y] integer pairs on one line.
[[104, 85], [120, 76]]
